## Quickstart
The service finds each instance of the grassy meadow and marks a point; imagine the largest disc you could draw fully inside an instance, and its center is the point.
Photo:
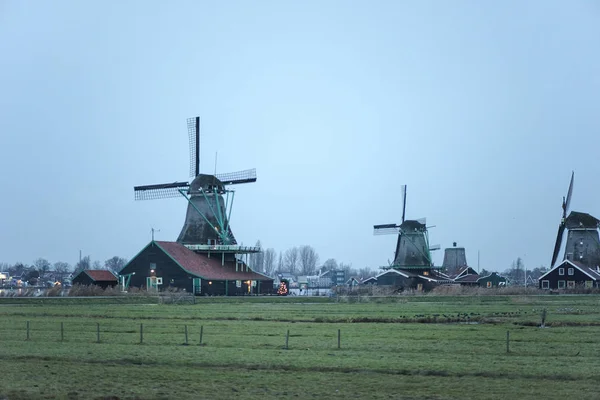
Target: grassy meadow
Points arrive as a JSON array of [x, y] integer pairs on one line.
[[407, 347]]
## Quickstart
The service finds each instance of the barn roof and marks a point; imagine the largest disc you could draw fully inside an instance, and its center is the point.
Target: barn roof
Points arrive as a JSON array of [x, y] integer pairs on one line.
[[100, 275], [206, 268], [472, 278]]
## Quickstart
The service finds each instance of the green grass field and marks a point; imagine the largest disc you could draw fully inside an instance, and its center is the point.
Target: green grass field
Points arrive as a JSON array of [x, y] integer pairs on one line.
[[421, 347]]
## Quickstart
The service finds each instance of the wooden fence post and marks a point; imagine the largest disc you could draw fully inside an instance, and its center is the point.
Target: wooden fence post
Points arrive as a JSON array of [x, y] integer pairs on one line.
[[201, 331], [62, 332], [98, 332], [339, 338], [27, 330], [287, 337], [507, 341], [186, 336], [141, 333]]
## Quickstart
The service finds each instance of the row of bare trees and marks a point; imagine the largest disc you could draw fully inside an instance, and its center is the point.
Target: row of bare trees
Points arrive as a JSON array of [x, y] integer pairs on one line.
[[41, 267], [299, 260]]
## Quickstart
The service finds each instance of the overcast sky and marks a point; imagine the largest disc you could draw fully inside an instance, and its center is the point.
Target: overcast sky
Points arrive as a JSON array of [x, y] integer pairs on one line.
[[481, 108]]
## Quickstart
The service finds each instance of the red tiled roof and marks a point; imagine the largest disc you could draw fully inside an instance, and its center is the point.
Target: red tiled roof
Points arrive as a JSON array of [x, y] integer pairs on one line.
[[101, 275], [207, 268]]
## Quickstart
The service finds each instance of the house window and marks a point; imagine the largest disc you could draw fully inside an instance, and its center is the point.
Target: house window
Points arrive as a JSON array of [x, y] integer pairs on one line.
[[571, 284], [589, 284], [545, 284], [561, 271], [571, 271], [425, 273], [489, 284], [561, 284]]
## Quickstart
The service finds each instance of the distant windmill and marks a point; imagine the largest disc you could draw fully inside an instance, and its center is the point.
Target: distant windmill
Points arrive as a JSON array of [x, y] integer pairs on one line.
[[583, 242], [209, 201], [412, 247]]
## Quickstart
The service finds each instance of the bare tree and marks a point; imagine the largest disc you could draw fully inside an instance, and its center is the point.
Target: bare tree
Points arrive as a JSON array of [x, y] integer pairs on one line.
[[365, 272], [42, 266], [97, 265], [61, 267], [115, 264], [18, 269], [269, 262], [280, 264], [330, 264], [291, 260], [347, 268], [84, 263], [308, 260], [257, 259]]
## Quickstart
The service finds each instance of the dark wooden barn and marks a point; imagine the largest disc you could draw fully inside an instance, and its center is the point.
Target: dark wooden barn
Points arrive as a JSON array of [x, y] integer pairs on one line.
[[492, 280], [569, 275], [99, 277], [162, 265], [403, 280]]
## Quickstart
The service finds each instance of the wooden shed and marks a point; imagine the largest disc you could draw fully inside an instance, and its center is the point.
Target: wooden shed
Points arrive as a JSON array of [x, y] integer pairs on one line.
[[99, 277], [493, 280]]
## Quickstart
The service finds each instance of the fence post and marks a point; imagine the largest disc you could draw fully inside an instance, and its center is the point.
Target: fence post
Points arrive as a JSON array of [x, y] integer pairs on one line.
[[287, 337], [339, 338], [186, 336], [62, 332], [98, 332], [507, 341], [201, 331], [27, 330], [141, 333]]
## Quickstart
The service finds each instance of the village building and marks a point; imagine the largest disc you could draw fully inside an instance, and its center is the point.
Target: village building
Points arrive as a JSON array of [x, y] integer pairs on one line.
[[162, 265], [569, 275]]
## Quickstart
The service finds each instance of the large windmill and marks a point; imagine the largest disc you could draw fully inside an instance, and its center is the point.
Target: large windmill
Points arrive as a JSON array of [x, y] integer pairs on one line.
[[209, 200], [583, 242], [412, 248]]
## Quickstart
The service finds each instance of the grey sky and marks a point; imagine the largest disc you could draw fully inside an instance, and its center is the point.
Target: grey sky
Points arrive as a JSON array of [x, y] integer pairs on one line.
[[481, 108]]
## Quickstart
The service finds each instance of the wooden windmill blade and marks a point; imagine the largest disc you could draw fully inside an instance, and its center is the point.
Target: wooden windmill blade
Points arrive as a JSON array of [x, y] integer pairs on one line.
[[561, 227]]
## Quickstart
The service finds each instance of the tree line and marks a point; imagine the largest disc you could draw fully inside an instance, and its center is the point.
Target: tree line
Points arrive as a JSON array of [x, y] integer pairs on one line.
[[41, 267], [299, 260]]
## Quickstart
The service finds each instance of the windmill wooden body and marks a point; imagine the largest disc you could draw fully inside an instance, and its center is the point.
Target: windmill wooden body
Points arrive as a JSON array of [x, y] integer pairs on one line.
[[209, 199], [413, 266], [580, 265]]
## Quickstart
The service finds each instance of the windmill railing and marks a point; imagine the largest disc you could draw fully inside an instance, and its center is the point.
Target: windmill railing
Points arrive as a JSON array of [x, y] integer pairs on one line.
[[223, 248]]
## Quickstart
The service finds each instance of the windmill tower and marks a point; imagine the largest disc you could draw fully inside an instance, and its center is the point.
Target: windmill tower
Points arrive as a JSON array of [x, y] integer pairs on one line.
[[583, 241], [412, 247], [209, 199], [455, 258]]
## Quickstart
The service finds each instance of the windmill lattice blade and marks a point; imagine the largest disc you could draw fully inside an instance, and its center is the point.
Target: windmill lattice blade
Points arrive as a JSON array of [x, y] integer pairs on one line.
[[386, 229], [193, 125], [403, 202], [559, 237], [569, 194], [234, 178], [162, 191]]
